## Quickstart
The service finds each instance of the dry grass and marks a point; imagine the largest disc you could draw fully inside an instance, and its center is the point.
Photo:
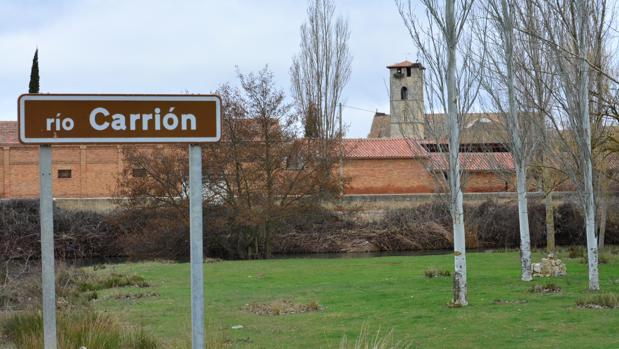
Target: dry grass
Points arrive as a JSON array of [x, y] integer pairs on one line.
[[281, 307], [434, 272], [75, 330], [598, 301], [377, 341], [509, 301], [74, 287], [546, 288]]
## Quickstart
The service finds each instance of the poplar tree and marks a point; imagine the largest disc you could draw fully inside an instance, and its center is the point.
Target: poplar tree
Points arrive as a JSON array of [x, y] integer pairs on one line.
[[446, 49]]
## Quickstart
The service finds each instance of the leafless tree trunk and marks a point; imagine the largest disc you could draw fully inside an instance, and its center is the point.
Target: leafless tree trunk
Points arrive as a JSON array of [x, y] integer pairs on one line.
[[568, 23], [453, 83], [500, 84], [550, 224], [535, 79]]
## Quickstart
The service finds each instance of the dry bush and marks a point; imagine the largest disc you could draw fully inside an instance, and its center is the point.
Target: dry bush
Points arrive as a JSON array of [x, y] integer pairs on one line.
[[612, 225], [76, 234], [495, 225], [152, 234], [569, 225]]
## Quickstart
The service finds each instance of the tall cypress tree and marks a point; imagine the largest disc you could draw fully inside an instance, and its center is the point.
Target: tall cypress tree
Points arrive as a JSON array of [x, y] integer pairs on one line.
[[34, 74]]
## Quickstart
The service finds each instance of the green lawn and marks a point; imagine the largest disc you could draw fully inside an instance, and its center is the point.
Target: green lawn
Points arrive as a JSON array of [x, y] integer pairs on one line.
[[382, 293]]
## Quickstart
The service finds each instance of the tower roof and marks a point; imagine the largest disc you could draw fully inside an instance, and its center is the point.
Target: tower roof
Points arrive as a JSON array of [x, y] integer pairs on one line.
[[406, 64]]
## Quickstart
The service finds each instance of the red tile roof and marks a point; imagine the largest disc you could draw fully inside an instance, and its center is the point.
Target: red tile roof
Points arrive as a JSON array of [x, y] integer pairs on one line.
[[8, 132], [405, 64], [383, 148], [475, 161], [374, 148]]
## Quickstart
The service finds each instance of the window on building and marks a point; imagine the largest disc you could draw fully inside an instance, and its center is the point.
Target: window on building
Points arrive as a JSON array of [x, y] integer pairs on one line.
[[408, 71], [138, 172], [404, 93], [64, 173]]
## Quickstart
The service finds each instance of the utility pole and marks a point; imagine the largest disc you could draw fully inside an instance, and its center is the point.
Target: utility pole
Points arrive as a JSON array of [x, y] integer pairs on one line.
[[341, 153]]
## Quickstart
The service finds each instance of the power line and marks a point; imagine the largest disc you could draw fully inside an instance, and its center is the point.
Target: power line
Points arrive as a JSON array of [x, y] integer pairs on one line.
[[357, 108]]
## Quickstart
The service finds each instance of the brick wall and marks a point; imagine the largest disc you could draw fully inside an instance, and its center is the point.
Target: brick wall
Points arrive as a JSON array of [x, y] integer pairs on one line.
[[408, 176], [387, 176], [95, 169], [476, 182]]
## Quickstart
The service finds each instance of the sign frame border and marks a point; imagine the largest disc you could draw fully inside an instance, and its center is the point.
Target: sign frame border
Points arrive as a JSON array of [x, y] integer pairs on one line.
[[116, 97]]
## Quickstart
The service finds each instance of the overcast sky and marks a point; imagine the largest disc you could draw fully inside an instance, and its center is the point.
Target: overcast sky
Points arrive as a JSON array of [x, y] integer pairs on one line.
[[153, 46]]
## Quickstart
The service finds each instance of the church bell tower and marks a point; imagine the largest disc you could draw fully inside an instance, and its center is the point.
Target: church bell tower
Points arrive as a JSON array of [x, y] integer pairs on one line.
[[406, 100]]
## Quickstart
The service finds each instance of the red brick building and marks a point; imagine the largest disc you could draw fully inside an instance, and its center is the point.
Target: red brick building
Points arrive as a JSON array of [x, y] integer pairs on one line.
[[371, 166], [403, 166]]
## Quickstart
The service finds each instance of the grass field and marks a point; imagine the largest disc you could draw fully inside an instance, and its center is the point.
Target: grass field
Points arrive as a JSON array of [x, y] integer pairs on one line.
[[380, 293]]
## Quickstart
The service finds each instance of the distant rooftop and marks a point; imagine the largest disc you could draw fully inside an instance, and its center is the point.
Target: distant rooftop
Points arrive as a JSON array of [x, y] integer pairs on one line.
[[406, 64]]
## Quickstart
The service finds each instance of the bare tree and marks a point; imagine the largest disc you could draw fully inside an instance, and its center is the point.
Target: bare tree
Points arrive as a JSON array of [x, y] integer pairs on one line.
[[535, 79], [453, 84], [256, 178], [568, 23], [319, 73], [499, 82]]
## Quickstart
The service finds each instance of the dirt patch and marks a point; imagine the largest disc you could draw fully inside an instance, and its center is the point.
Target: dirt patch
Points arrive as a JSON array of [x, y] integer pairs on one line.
[[510, 301], [134, 296], [281, 307]]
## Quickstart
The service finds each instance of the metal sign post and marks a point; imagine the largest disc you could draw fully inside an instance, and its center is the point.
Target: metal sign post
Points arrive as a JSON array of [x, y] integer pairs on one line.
[[47, 247], [196, 253], [80, 119]]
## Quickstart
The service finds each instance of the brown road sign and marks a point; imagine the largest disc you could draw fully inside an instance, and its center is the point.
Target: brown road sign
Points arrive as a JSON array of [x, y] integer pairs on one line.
[[76, 118]]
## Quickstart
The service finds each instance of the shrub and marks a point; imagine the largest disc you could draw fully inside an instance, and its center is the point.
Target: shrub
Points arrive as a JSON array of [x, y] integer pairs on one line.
[[599, 300], [152, 234], [496, 224], [569, 225], [86, 328], [76, 234]]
